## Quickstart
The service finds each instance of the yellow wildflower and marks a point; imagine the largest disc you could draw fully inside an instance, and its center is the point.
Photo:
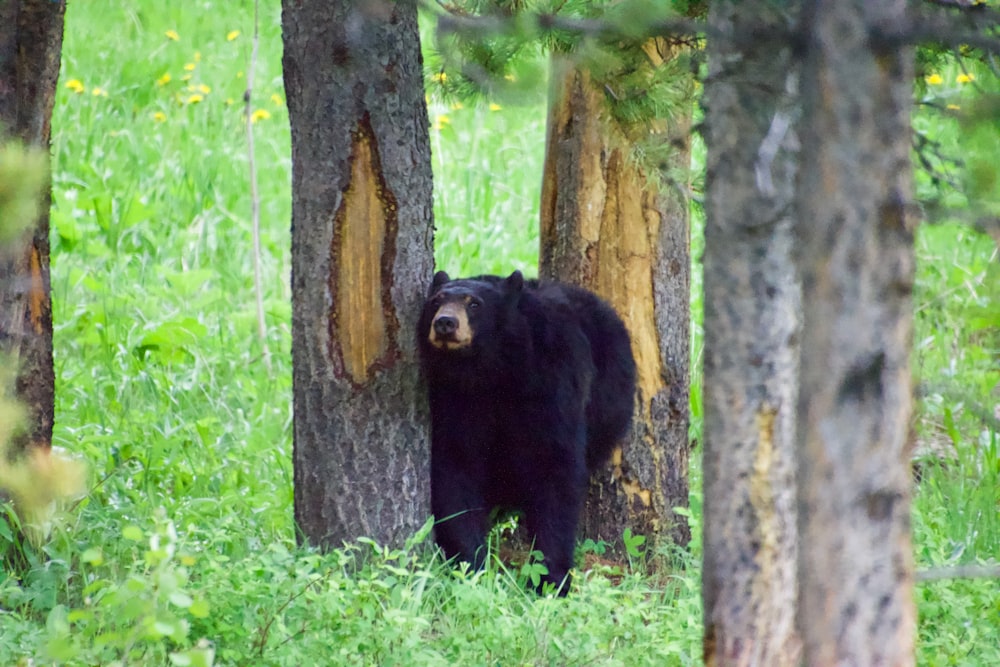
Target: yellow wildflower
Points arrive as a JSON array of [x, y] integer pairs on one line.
[[203, 89], [441, 121], [276, 100], [965, 78], [934, 80], [163, 80], [495, 107], [160, 117], [172, 35], [99, 92], [439, 77], [232, 34], [259, 114], [229, 101], [194, 99], [76, 86], [953, 107], [189, 67], [186, 77], [510, 77], [455, 106]]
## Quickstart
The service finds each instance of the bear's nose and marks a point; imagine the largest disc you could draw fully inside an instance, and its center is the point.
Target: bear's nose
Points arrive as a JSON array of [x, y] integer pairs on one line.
[[445, 325]]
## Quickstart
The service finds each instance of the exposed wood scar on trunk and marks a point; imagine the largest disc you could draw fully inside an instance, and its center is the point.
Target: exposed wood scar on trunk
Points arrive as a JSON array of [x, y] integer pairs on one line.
[[762, 497], [633, 489], [362, 322], [37, 294]]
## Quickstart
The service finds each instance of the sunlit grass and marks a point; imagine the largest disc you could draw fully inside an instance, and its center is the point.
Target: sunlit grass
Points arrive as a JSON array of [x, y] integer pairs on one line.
[[162, 388]]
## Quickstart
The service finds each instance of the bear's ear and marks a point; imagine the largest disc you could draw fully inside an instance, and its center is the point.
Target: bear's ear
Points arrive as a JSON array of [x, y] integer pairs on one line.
[[440, 278], [513, 286]]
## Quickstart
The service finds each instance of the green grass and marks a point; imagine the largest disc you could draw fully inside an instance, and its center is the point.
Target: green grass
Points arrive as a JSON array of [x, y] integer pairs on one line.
[[185, 544]]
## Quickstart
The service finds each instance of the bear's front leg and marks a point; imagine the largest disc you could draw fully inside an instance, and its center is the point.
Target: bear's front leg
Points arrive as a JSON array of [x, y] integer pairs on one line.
[[552, 519], [461, 519]]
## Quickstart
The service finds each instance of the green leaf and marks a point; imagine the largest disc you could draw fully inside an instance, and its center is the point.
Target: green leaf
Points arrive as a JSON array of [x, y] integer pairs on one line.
[[199, 608], [187, 283], [170, 341], [133, 533], [67, 228], [136, 212], [180, 599], [92, 556], [5, 531]]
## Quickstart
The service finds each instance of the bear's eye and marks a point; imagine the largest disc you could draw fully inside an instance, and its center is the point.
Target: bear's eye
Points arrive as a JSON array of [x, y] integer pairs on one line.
[[475, 303]]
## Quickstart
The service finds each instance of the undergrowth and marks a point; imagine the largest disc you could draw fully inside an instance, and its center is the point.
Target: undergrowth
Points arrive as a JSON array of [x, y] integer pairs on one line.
[[183, 552]]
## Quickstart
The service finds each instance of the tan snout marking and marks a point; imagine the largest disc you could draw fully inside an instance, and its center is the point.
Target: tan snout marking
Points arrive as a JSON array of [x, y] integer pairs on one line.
[[463, 334]]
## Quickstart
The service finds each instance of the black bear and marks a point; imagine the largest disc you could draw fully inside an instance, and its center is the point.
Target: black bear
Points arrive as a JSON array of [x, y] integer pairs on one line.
[[531, 386]]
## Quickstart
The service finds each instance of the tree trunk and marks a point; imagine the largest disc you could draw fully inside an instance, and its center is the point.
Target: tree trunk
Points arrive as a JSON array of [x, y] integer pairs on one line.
[[854, 202], [31, 34], [605, 227], [361, 261], [752, 300]]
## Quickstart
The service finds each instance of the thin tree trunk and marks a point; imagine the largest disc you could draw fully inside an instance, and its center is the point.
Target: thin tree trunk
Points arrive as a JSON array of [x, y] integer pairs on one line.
[[854, 198], [605, 227], [752, 300], [361, 261], [31, 34]]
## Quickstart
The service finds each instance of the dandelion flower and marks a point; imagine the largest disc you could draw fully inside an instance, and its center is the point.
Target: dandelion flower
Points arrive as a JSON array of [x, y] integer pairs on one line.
[[163, 80], [455, 106], [439, 77], [160, 117], [276, 100], [76, 86], [495, 107], [965, 78], [510, 77], [441, 121], [194, 99], [259, 114], [99, 92], [232, 34], [189, 67], [934, 80], [172, 35], [203, 89]]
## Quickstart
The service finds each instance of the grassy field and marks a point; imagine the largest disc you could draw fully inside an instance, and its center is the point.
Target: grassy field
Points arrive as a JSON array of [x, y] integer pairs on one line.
[[184, 549]]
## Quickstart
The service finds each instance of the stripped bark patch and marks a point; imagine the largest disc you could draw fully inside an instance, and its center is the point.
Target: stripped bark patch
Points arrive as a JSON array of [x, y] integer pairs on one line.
[[362, 324]]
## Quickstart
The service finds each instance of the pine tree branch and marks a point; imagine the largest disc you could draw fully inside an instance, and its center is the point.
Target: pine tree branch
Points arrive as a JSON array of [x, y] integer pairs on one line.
[[451, 22], [948, 23]]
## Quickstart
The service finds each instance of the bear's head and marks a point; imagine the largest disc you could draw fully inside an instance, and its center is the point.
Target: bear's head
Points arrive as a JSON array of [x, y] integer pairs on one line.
[[457, 312]]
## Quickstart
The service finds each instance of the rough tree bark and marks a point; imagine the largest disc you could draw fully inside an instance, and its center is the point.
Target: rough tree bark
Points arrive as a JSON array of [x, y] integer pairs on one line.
[[752, 300], [361, 262], [856, 225], [605, 227], [31, 34]]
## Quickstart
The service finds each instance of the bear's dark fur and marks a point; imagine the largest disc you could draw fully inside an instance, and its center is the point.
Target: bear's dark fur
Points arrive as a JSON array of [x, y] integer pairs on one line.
[[531, 386]]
